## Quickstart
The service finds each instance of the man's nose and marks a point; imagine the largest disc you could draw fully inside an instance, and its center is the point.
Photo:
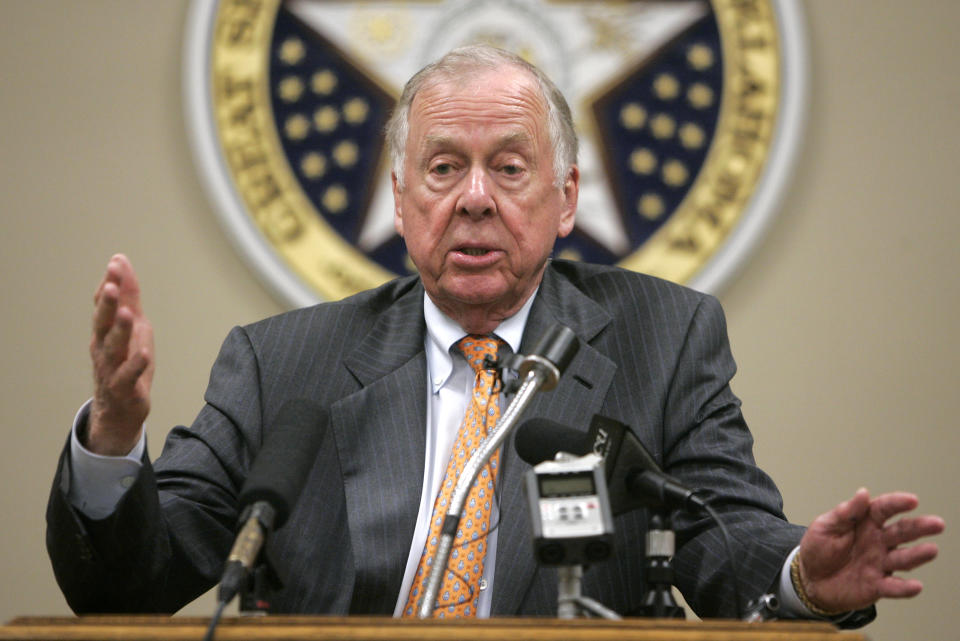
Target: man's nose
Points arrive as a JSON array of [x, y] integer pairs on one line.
[[477, 199]]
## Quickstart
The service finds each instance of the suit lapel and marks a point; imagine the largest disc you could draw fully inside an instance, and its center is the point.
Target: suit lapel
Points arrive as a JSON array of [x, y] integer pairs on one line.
[[576, 399], [379, 431]]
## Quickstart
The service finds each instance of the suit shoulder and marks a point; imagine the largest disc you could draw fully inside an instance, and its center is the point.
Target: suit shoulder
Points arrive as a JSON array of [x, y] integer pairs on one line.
[[352, 314], [615, 286]]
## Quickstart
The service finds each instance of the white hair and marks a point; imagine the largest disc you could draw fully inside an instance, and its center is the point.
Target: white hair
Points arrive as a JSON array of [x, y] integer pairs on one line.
[[462, 61]]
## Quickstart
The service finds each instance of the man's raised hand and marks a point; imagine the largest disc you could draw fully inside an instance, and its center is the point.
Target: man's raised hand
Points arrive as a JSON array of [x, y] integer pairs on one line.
[[122, 352], [849, 555]]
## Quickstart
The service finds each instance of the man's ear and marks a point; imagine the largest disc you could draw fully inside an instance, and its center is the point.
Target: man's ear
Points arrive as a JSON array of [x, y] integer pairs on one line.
[[397, 212], [571, 192]]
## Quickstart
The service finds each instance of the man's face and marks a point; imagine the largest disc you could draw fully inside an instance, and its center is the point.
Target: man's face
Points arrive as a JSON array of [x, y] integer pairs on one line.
[[479, 210]]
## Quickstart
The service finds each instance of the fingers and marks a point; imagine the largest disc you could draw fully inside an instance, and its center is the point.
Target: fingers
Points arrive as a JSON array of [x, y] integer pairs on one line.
[[879, 510], [905, 559], [118, 288], [845, 516], [105, 311], [856, 508], [128, 374], [885, 506], [894, 587], [128, 283], [115, 343], [910, 529], [122, 352], [121, 274]]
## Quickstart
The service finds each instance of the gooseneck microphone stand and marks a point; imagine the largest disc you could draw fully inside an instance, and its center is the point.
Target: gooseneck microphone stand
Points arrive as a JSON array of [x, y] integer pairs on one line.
[[538, 371]]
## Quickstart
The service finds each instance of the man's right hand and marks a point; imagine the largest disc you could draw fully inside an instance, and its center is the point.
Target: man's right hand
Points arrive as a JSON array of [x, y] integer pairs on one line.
[[123, 360]]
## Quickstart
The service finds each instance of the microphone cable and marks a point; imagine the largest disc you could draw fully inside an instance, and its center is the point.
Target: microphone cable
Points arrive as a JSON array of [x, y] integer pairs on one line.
[[734, 566], [211, 629]]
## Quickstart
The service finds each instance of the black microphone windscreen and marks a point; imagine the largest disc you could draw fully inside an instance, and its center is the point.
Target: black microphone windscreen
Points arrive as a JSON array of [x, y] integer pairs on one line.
[[539, 440], [559, 345], [290, 447]]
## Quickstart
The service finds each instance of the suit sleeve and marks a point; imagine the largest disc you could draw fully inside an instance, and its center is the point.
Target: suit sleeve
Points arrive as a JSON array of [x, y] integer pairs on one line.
[[707, 445], [166, 542]]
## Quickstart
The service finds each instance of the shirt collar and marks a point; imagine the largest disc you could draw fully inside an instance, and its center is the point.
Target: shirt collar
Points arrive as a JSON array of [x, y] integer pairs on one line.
[[443, 332]]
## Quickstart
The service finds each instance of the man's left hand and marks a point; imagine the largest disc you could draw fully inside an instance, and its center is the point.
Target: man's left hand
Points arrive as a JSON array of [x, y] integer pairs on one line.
[[849, 555]]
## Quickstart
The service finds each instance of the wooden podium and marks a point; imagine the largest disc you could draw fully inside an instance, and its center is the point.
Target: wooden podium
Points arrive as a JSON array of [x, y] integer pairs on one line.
[[295, 628]]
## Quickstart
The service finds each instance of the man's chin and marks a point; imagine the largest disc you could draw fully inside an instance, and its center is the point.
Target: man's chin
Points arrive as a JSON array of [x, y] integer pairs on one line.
[[477, 291]]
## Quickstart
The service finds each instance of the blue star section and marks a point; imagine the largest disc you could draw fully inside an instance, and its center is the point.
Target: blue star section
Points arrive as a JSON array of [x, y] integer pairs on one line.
[[655, 128], [330, 118]]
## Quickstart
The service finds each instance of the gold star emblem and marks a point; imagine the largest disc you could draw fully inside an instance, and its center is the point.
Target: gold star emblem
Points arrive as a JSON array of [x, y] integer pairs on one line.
[[666, 87], [700, 95], [335, 199], [313, 165], [675, 173], [346, 154], [692, 136], [326, 119], [633, 116], [650, 206], [296, 127], [355, 111], [700, 57], [662, 126], [643, 161], [323, 82], [292, 51], [290, 89]]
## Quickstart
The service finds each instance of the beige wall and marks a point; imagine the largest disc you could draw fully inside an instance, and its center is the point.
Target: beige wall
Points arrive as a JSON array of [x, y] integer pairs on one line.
[[843, 322]]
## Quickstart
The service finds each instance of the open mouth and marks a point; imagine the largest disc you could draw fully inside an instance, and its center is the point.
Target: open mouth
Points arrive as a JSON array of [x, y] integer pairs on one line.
[[474, 251]]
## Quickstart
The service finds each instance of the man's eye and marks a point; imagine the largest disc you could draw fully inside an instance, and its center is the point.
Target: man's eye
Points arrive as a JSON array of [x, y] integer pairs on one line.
[[442, 169], [512, 170]]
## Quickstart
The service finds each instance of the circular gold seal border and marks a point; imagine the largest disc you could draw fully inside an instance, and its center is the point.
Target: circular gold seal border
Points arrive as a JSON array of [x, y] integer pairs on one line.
[[739, 150], [710, 216], [264, 180]]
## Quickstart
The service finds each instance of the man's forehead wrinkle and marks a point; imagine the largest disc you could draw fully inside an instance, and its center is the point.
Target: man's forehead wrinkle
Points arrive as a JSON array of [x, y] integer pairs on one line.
[[455, 116], [461, 106], [509, 111], [440, 141], [520, 94]]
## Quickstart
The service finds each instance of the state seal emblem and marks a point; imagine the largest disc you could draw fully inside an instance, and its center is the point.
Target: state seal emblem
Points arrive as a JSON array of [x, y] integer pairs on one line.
[[689, 114]]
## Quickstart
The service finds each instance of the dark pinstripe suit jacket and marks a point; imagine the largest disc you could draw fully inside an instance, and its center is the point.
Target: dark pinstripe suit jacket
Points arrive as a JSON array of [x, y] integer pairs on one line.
[[653, 355]]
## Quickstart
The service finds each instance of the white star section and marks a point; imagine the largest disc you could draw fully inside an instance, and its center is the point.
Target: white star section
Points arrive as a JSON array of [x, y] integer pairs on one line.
[[585, 47]]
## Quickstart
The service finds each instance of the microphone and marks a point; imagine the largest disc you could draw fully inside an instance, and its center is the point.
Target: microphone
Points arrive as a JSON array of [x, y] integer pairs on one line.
[[550, 357], [540, 439], [276, 479], [634, 478]]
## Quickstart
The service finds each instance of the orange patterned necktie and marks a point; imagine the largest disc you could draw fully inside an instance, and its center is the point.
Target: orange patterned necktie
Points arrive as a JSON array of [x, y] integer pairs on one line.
[[460, 591]]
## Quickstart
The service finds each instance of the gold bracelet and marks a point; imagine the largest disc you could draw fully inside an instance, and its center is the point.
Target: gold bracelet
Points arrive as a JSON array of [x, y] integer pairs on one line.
[[798, 587]]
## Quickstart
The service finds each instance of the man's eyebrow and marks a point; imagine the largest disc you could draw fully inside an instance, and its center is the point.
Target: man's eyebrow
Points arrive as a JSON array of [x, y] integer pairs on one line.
[[515, 137], [428, 144], [512, 138], [433, 140]]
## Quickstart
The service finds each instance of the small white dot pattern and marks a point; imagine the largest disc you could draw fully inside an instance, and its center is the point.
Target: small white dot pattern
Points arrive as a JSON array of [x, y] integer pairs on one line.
[[459, 593]]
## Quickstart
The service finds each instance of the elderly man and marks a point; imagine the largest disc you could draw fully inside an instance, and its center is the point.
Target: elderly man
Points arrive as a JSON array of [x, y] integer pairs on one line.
[[484, 179]]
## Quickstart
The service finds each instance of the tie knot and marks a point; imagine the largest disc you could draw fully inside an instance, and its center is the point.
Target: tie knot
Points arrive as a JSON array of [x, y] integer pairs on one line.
[[475, 348]]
